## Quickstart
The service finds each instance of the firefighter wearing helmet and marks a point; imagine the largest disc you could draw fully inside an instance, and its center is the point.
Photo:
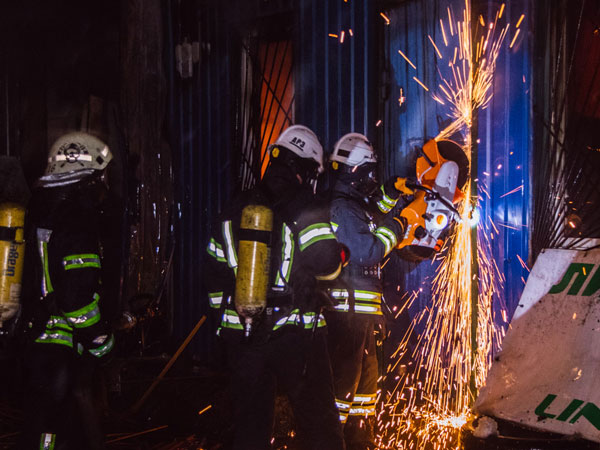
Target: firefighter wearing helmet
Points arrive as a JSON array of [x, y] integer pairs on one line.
[[68, 335], [366, 219], [268, 249]]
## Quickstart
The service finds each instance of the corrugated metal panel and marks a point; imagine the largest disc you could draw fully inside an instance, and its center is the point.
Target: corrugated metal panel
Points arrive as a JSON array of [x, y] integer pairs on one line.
[[200, 123], [335, 82], [506, 133], [332, 85], [504, 130], [342, 85]]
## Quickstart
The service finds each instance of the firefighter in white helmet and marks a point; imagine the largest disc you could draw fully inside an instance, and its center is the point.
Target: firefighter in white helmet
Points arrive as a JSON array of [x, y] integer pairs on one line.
[[68, 335], [264, 258], [366, 220]]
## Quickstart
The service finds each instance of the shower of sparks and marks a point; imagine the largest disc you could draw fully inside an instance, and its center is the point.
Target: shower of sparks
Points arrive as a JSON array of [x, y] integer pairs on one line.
[[428, 396]]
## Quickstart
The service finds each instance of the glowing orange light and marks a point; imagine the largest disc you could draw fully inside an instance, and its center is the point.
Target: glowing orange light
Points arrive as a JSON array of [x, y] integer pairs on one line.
[[204, 410]]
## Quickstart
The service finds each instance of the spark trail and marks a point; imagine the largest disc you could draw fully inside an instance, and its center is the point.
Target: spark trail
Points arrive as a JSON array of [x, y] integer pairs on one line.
[[430, 397]]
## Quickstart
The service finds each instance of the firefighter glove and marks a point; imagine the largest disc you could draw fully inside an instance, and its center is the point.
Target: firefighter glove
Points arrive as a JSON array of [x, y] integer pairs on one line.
[[404, 186]]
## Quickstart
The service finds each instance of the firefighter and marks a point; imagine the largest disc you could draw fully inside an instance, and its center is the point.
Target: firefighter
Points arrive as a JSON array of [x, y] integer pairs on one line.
[[68, 335], [367, 221], [276, 340]]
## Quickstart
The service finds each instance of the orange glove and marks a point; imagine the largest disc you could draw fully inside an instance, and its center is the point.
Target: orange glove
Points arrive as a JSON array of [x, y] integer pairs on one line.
[[402, 188]]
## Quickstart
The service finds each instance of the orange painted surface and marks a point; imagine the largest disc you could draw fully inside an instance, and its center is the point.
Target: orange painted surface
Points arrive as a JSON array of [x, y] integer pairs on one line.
[[276, 93]]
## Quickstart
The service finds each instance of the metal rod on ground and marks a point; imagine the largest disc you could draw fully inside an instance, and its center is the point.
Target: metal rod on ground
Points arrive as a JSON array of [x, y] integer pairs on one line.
[[158, 379], [129, 436]]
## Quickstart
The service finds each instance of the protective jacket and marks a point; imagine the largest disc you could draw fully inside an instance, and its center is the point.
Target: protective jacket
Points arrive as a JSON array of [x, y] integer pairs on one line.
[[66, 275], [362, 225], [303, 246], [67, 333], [286, 350], [370, 236]]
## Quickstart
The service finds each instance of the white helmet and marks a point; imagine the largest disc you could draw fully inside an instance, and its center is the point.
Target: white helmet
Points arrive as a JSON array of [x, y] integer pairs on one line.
[[301, 141], [77, 151], [353, 149]]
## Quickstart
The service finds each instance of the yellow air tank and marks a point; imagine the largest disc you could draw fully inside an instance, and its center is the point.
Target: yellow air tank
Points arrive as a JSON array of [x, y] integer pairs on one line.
[[12, 246], [254, 257]]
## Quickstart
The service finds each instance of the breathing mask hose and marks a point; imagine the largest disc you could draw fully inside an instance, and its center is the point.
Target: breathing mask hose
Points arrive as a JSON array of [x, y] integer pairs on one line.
[[254, 262]]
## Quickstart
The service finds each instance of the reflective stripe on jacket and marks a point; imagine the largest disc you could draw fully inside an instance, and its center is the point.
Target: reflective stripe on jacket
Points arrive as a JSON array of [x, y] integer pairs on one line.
[[307, 243], [368, 242], [70, 282]]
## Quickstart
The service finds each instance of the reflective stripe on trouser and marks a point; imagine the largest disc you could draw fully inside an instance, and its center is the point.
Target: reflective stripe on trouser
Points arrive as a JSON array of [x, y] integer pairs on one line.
[[362, 405], [105, 344], [297, 364], [365, 302], [47, 441], [354, 363]]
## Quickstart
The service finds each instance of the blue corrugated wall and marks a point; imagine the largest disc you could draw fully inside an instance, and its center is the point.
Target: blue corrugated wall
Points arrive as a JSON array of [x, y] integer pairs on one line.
[[201, 123], [504, 128], [342, 87], [335, 81]]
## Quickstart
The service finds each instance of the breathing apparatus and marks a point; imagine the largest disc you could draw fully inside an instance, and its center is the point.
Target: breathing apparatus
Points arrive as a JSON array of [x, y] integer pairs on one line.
[[12, 249], [254, 263]]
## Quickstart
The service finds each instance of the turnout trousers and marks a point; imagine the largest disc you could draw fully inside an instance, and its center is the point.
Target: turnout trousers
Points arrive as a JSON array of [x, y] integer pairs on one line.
[[296, 362], [59, 408], [355, 370]]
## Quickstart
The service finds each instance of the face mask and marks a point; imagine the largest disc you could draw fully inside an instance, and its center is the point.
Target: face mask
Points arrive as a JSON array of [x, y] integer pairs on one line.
[[362, 178], [280, 180]]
